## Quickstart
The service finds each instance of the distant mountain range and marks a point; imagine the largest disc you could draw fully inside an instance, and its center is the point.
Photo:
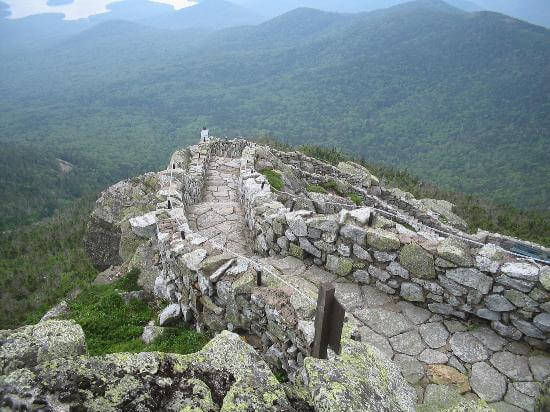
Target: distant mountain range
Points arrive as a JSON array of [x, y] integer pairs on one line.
[[458, 98]]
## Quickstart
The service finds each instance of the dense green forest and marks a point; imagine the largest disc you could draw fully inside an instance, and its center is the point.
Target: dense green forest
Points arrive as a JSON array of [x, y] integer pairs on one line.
[[41, 263], [458, 99]]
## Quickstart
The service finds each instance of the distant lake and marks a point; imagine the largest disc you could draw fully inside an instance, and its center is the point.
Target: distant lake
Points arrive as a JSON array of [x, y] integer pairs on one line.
[[75, 9]]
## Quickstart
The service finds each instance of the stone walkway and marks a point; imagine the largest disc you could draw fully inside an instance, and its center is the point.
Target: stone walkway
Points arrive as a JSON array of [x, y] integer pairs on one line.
[[220, 217], [430, 350], [435, 354]]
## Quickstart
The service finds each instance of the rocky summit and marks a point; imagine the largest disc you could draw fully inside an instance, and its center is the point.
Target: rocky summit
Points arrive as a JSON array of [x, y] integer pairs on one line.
[[235, 239]]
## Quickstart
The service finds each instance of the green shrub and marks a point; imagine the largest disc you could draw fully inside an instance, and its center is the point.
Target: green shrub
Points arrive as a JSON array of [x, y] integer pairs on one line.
[[355, 198], [316, 189], [128, 283], [274, 178]]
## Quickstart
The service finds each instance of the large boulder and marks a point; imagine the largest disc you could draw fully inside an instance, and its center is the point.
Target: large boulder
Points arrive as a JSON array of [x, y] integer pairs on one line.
[[109, 239], [227, 375], [360, 379], [28, 346]]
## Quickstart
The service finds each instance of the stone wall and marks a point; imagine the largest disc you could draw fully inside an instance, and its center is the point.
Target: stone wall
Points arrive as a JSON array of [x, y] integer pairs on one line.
[[446, 276], [215, 290]]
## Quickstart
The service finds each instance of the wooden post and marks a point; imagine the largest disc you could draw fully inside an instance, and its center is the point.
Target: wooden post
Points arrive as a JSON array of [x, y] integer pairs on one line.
[[329, 320], [259, 278], [169, 204]]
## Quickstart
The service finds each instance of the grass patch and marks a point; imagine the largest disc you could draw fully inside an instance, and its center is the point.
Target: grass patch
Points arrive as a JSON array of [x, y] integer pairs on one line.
[[274, 178], [355, 198], [316, 189], [112, 326]]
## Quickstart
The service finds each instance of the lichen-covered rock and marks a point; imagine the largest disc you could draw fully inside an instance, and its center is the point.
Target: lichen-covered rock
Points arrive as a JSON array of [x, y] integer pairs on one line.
[[28, 346], [360, 379], [382, 240], [226, 375], [144, 259], [116, 205], [417, 261], [455, 251]]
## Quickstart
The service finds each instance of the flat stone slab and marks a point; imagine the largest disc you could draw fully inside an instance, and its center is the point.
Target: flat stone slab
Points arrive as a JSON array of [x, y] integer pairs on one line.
[[408, 343], [384, 322], [468, 348], [516, 367], [434, 334], [487, 382]]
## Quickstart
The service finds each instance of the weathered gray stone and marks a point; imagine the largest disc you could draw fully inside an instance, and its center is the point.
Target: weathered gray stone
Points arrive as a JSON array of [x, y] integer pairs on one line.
[[441, 308], [382, 240], [489, 338], [56, 312], [452, 287], [349, 295], [487, 382], [526, 327], [432, 357], [384, 322], [344, 250], [290, 236], [445, 264], [378, 273], [412, 369], [384, 256], [361, 379], [412, 292], [150, 333], [521, 270], [309, 248], [376, 340], [417, 261], [397, 270], [434, 334], [361, 253], [516, 367], [340, 266], [355, 233], [544, 277], [325, 224], [506, 330], [489, 258], [414, 313], [456, 251], [472, 278], [408, 343], [193, 259], [521, 300], [540, 366], [498, 303], [144, 226], [373, 297], [515, 397], [515, 283], [31, 345], [467, 348], [170, 314], [361, 276], [528, 388], [487, 314], [296, 223], [542, 322], [361, 215], [226, 372]]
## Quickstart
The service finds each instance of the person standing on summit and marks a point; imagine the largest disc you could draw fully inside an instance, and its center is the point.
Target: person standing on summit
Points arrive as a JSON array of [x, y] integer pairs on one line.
[[204, 135]]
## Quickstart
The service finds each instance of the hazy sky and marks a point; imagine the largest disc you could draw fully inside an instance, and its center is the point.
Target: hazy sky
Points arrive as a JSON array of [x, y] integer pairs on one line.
[[78, 9]]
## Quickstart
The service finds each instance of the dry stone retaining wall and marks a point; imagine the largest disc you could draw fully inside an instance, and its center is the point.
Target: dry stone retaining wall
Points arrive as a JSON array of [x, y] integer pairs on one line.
[[444, 275]]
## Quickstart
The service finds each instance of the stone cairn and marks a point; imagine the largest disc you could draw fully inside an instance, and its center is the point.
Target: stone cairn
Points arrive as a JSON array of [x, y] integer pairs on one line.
[[406, 288]]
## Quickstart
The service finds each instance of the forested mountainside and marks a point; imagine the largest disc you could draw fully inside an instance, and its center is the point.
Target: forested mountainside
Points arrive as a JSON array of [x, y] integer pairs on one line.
[[459, 99], [533, 11]]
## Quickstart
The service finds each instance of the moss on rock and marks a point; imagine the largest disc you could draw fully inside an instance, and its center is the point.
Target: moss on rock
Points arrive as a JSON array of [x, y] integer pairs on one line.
[[417, 261]]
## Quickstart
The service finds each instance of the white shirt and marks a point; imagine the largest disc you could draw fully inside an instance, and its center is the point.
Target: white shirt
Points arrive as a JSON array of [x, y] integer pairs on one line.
[[204, 135]]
